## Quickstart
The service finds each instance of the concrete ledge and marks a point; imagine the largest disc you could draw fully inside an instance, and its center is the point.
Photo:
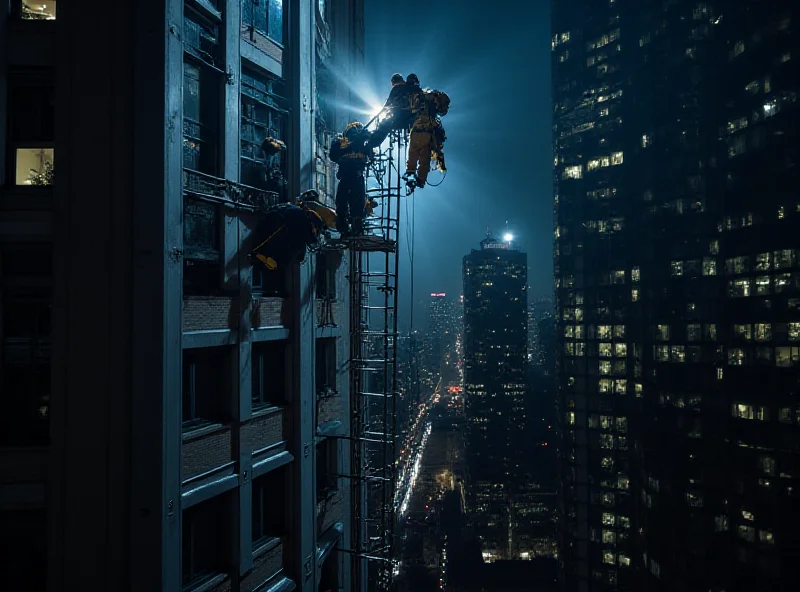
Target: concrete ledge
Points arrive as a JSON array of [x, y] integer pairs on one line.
[[264, 462], [209, 484], [328, 332], [279, 583], [327, 542], [208, 490], [212, 338], [269, 334], [329, 428]]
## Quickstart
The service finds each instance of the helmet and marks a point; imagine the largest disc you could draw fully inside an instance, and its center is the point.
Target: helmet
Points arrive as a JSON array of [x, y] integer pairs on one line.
[[397, 79], [412, 79]]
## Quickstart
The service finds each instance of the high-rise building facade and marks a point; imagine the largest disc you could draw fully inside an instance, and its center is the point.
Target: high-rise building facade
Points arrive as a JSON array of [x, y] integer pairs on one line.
[[495, 363], [169, 417], [440, 345], [676, 262]]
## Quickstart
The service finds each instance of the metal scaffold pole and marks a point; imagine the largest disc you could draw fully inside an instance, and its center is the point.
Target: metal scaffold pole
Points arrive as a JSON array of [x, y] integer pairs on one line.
[[374, 262]]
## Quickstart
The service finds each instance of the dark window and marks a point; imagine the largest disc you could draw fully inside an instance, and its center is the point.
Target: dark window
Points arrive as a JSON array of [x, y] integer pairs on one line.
[[326, 276], [202, 274], [23, 550], [27, 260], [201, 38], [263, 115], [327, 463], [25, 373], [31, 128], [269, 505], [206, 540], [326, 364], [206, 386], [269, 373], [269, 283], [201, 90], [265, 16]]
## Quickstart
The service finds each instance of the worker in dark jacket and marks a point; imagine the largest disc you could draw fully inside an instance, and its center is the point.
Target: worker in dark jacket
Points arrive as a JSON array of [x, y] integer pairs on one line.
[[396, 113], [351, 153], [286, 231]]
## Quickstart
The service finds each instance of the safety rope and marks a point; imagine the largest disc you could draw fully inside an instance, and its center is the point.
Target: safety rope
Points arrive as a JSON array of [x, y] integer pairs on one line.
[[444, 176]]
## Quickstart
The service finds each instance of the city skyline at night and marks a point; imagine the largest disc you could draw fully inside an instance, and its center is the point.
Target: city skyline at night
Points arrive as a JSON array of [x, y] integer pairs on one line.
[[249, 344]]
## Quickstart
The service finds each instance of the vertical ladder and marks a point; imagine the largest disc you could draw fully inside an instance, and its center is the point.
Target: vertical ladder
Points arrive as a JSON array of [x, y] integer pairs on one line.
[[373, 373]]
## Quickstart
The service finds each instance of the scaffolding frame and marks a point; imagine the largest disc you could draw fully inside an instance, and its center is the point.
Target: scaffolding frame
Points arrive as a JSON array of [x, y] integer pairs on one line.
[[374, 269]]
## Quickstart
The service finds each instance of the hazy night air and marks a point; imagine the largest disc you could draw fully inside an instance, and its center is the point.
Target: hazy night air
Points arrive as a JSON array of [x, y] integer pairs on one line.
[[495, 65]]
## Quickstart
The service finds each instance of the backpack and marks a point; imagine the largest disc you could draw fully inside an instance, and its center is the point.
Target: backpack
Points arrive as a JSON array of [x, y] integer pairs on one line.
[[441, 101]]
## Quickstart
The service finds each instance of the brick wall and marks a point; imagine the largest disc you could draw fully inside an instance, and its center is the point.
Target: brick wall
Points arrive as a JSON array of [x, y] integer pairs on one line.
[[202, 313], [205, 453], [333, 512], [330, 409], [263, 431], [205, 313], [264, 567], [263, 43], [333, 315], [270, 312]]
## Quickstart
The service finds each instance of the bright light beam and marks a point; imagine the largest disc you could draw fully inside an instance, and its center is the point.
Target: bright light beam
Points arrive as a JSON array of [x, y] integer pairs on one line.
[[508, 237]]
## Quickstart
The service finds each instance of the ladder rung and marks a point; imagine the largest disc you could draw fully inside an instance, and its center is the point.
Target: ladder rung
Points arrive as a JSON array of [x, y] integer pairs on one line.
[[376, 361], [379, 395]]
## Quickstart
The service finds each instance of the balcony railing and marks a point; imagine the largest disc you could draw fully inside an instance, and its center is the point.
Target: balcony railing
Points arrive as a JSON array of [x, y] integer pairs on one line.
[[213, 189]]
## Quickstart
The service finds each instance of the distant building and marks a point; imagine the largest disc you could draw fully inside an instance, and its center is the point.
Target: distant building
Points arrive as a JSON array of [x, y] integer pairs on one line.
[[440, 345], [495, 362], [677, 262]]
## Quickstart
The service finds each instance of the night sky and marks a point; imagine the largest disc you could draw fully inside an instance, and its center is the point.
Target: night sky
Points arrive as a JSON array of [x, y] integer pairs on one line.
[[495, 65]]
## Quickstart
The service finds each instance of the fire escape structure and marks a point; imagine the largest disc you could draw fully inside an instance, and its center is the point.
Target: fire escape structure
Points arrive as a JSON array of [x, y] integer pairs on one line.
[[373, 279]]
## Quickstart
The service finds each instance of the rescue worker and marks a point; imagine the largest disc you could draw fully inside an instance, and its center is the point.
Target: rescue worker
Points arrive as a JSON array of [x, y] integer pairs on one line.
[[396, 110], [351, 153], [421, 143], [309, 200], [287, 230], [398, 90]]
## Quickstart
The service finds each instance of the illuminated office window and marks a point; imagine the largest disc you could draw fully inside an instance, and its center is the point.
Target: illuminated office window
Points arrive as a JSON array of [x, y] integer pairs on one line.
[[38, 10]]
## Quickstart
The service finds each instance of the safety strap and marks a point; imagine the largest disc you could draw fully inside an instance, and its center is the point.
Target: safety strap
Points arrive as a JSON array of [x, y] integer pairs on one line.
[[269, 238]]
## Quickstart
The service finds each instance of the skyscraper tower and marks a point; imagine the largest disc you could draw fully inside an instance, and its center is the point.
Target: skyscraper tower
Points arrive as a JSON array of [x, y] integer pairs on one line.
[[495, 353], [171, 418], [676, 254]]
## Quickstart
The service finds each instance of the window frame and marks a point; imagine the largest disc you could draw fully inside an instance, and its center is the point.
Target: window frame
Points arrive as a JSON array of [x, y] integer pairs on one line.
[[209, 82], [251, 25], [217, 509], [276, 124], [216, 404], [263, 397], [325, 348], [269, 491], [327, 451]]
